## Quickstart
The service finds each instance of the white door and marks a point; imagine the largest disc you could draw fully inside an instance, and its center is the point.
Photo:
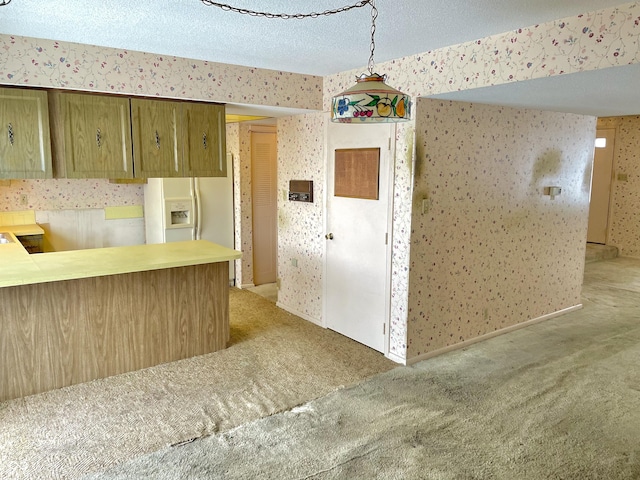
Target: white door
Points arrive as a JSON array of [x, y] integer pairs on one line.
[[358, 254], [601, 177]]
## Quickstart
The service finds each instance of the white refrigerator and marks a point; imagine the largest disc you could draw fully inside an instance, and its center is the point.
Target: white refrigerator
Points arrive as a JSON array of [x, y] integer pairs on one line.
[[177, 209]]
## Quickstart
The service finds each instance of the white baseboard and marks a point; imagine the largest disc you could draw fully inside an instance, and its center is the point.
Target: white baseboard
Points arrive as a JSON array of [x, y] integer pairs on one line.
[[396, 358], [247, 285], [489, 335], [299, 314]]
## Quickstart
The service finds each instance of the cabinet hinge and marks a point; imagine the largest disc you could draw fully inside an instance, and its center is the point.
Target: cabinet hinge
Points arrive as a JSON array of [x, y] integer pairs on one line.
[[386, 239], [384, 328]]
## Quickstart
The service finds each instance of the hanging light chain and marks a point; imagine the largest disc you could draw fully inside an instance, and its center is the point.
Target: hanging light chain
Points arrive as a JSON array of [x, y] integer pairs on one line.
[[286, 16], [374, 16]]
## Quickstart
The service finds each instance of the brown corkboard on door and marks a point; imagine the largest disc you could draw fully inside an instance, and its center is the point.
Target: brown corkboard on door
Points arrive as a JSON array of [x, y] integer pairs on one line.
[[357, 173]]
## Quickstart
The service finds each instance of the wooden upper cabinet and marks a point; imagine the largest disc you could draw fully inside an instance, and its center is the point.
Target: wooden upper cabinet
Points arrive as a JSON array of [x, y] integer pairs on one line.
[[25, 145], [106, 136], [205, 140], [94, 140], [157, 138]]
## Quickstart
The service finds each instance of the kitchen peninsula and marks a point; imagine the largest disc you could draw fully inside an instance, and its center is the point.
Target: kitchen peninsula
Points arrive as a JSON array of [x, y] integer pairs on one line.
[[75, 316]]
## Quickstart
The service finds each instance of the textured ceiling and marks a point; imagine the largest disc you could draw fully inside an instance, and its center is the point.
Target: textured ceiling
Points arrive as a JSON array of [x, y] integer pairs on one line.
[[320, 46]]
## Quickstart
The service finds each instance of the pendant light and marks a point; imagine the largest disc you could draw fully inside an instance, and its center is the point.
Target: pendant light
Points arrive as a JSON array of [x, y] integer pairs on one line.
[[371, 100]]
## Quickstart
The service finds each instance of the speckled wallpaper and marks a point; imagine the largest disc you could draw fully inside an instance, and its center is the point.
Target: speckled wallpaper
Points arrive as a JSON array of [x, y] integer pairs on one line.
[[300, 225], [246, 207], [63, 194], [47, 63], [233, 147], [624, 222], [239, 144], [492, 250], [401, 239]]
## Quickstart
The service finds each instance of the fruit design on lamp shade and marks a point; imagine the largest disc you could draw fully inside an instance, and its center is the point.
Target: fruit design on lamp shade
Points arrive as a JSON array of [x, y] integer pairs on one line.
[[371, 106], [371, 100], [385, 106], [400, 108]]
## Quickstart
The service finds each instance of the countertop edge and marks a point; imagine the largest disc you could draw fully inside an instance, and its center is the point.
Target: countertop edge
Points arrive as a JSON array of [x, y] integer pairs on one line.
[[78, 264], [23, 230]]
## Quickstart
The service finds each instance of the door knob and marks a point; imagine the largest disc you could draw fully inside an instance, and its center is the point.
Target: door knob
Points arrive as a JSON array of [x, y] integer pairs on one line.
[[329, 236]]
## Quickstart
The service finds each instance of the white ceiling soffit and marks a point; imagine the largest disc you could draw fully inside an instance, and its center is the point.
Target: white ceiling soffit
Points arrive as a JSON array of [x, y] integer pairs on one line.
[[608, 92], [265, 111], [259, 110], [320, 46]]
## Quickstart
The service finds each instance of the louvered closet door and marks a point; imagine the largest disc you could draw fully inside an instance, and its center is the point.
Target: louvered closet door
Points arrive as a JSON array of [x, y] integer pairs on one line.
[[263, 191]]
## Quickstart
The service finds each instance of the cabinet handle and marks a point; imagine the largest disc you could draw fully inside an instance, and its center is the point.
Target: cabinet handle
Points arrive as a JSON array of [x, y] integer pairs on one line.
[[10, 133], [157, 140], [98, 138], [204, 140]]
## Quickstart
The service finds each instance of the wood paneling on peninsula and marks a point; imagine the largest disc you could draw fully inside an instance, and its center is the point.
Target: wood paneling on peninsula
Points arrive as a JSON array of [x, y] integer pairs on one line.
[[57, 334]]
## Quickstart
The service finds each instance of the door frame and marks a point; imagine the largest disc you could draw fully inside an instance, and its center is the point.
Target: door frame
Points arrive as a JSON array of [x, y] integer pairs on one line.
[[607, 231], [389, 227]]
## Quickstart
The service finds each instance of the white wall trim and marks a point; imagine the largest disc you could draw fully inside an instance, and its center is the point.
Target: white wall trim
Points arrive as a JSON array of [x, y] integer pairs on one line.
[[325, 200], [247, 285], [396, 358], [300, 314], [489, 335], [389, 260]]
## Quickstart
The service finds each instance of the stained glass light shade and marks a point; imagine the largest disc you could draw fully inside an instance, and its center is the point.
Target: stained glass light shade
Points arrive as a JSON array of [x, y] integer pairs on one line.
[[371, 100]]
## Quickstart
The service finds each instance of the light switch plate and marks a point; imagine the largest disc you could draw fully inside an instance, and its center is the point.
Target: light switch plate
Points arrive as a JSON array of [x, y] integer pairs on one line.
[[425, 206]]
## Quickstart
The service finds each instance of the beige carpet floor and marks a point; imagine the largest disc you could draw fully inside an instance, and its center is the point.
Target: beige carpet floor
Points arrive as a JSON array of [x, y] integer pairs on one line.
[[268, 291], [557, 400], [274, 362]]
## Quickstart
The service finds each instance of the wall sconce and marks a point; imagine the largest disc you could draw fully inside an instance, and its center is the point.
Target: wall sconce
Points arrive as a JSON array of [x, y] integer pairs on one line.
[[552, 191]]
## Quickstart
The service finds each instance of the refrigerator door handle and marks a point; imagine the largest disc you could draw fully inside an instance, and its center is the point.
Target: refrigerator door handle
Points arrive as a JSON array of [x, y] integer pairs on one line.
[[221, 133], [197, 228]]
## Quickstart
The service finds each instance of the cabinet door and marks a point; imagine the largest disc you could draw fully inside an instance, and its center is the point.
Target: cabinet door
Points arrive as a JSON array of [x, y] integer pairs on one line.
[[97, 136], [157, 138], [25, 145], [205, 140]]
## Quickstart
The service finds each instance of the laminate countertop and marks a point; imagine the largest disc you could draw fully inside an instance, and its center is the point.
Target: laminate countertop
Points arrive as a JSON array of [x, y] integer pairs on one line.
[[17, 267], [20, 230]]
